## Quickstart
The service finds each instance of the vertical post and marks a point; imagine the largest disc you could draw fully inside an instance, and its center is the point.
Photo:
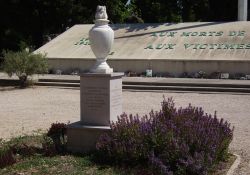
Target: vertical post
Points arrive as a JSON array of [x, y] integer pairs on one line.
[[242, 10]]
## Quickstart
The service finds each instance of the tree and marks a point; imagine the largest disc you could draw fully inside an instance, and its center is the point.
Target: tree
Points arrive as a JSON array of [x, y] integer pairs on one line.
[[29, 22], [194, 10], [225, 10], [158, 11], [24, 64]]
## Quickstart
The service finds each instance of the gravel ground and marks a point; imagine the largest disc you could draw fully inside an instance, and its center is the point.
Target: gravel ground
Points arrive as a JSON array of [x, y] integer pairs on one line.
[[25, 110]]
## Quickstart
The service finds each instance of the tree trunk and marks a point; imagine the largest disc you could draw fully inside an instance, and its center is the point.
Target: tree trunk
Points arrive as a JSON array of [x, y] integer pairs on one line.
[[23, 81]]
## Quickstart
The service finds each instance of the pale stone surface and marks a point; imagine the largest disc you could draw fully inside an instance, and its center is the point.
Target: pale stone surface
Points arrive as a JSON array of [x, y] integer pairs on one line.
[[224, 76], [101, 37], [101, 66], [101, 12], [175, 67], [83, 138], [101, 98], [132, 51], [242, 10], [100, 103], [131, 39]]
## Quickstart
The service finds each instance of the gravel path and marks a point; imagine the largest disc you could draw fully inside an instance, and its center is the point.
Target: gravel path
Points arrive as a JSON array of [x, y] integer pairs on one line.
[[25, 110]]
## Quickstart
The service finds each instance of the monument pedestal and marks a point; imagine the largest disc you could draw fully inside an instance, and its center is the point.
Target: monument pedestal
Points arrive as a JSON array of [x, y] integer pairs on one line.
[[100, 102], [82, 138]]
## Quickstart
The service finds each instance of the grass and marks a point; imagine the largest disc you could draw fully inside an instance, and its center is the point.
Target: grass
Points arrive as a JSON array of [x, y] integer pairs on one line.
[[67, 164], [223, 167], [36, 163]]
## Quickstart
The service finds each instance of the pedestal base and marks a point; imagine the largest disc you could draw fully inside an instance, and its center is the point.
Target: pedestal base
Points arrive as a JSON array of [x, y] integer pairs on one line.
[[82, 138], [102, 67], [101, 102], [102, 71]]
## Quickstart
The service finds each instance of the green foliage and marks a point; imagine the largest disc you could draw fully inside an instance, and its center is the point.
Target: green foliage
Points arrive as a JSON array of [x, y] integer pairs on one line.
[[29, 156], [154, 11], [18, 145], [24, 64], [36, 20], [172, 141]]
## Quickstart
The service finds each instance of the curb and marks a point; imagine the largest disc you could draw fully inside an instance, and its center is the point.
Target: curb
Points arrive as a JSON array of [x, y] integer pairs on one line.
[[235, 165], [186, 88]]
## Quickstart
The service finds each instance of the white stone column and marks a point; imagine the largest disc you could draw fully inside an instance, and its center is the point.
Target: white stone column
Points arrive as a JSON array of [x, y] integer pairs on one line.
[[242, 10]]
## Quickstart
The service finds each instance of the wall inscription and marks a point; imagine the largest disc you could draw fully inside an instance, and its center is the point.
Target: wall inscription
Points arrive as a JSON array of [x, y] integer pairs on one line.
[[95, 97], [188, 46], [196, 46]]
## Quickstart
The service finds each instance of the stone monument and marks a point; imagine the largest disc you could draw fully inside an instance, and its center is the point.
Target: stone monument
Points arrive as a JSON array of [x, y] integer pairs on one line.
[[100, 91]]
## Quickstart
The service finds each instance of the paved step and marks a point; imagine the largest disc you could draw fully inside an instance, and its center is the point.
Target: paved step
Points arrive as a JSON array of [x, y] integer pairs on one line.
[[192, 84], [59, 84], [9, 82], [154, 87], [59, 80], [186, 84], [154, 84], [186, 88]]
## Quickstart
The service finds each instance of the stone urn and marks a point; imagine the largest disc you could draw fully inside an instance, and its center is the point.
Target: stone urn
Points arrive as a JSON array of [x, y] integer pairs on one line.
[[101, 37]]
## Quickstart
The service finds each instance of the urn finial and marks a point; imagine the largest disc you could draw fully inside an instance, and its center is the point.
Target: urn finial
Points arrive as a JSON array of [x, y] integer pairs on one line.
[[101, 12], [101, 37]]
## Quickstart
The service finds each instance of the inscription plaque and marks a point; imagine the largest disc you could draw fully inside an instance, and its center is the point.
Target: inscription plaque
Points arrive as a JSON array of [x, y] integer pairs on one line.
[[101, 98], [94, 97]]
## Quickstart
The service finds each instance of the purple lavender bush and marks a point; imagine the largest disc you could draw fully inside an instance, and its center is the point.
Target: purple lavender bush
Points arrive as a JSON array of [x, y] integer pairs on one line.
[[171, 141]]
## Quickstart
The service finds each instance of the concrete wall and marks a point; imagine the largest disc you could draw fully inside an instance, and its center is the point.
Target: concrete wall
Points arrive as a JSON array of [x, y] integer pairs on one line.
[[197, 46], [175, 67], [191, 41]]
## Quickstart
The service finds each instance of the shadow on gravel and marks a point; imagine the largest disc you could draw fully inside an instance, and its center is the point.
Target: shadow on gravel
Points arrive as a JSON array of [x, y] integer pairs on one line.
[[14, 88]]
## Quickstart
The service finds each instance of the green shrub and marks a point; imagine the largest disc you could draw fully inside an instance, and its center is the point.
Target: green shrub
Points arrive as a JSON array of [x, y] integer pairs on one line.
[[24, 64]]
